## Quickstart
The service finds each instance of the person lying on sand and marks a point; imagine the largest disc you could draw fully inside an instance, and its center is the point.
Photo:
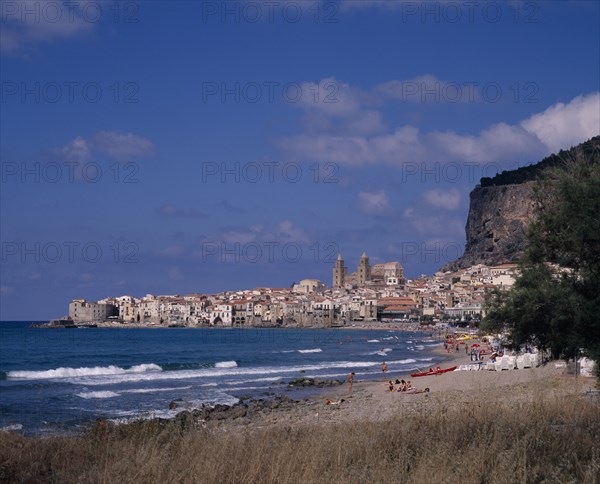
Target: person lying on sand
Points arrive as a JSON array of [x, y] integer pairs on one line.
[[416, 390], [334, 402]]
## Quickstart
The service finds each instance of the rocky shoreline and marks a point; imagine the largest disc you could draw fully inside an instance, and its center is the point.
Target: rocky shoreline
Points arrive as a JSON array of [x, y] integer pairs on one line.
[[249, 410], [245, 412]]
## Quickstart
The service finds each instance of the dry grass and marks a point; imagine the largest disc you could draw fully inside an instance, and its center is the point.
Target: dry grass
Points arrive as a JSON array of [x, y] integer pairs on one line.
[[544, 441]]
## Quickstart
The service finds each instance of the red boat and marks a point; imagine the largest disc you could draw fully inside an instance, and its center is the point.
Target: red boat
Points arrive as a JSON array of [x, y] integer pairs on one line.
[[433, 372]]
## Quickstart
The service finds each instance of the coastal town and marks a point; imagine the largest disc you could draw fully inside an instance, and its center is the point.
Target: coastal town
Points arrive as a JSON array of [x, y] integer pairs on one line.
[[371, 294]]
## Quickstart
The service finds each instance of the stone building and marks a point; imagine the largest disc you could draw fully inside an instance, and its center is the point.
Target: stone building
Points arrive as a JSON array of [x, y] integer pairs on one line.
[[363, 270], [82, 311], [339, 273], [390, 274], [308, 286]]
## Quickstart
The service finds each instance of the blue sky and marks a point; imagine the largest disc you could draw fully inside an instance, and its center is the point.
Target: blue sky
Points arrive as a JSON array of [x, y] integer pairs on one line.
[[179, 147]]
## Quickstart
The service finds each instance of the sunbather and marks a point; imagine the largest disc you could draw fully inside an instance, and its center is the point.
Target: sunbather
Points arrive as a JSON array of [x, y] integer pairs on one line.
[[416, 390]]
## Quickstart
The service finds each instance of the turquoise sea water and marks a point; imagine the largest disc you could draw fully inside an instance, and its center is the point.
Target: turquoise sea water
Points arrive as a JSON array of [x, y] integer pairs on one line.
[[52, 380]]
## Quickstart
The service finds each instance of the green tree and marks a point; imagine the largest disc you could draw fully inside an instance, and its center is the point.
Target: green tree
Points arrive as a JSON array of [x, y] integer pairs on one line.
[[555, 302]]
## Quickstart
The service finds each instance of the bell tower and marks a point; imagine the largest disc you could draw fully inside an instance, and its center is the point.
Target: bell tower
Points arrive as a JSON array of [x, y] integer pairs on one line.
[[364, 269], [339, 273]]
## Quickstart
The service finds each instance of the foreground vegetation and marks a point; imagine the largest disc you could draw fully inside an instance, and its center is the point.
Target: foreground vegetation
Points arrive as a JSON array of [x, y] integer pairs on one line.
[[487, 442], [555, 301]]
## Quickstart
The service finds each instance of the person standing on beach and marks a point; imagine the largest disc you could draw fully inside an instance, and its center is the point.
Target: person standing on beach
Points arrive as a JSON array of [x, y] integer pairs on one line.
[[384, 369], [351, 380]]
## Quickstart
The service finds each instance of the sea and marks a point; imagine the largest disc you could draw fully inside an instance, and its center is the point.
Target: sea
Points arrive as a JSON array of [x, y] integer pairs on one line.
[[55, 381]]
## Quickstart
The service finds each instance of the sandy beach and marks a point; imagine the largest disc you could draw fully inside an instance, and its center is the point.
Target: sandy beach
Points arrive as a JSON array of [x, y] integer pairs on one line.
[[371, 401]]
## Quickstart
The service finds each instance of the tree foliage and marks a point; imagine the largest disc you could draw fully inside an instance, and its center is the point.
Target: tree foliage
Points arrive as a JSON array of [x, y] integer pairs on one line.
[[588, 150], [555, 302]]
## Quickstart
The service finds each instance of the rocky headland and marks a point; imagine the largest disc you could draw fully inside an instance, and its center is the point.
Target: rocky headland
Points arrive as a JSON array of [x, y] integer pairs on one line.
[[502, 208]]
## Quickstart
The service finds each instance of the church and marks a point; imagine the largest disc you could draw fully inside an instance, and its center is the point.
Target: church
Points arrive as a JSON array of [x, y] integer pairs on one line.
[[378, 275]]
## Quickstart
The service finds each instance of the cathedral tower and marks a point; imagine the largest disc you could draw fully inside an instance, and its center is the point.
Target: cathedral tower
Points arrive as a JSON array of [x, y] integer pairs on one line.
[[339, 273], [364, 270]]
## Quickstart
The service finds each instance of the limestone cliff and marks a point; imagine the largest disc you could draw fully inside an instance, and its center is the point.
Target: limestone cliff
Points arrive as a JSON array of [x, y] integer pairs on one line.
[[502, 208], [497, 224]]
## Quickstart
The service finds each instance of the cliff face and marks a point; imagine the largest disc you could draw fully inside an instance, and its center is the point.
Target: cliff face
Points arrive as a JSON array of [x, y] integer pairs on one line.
[[497, 225], [503, 207]]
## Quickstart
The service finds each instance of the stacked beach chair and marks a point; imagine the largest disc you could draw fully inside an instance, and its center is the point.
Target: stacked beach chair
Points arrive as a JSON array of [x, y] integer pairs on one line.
[[520, 362]]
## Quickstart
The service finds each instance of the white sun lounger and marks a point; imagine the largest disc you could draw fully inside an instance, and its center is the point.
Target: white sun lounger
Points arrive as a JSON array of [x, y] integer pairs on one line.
[[522, 361]]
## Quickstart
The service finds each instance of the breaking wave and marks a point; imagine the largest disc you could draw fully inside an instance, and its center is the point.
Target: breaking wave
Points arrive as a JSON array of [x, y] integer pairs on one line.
[[90, 395], [78, 372]]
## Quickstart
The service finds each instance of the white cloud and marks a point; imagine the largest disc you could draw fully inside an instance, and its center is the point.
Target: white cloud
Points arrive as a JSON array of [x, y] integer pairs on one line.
[[241, 235], [333, 106], [559, 126], [122, 146], [446, 199], [401, 146], [374, 203], [287, 232], [564, 125], [234, 238], [77, 150], [427, 89], [329, 96], [367, 122], [496, 143], [27, 23]]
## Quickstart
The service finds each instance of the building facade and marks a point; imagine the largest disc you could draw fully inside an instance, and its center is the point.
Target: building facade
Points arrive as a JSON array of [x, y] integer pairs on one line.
[[82, 311]]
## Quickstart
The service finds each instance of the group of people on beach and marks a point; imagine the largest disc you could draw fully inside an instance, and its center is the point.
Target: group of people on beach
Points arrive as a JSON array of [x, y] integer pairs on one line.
[[476, 351], [403, 386], [393, 386]]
